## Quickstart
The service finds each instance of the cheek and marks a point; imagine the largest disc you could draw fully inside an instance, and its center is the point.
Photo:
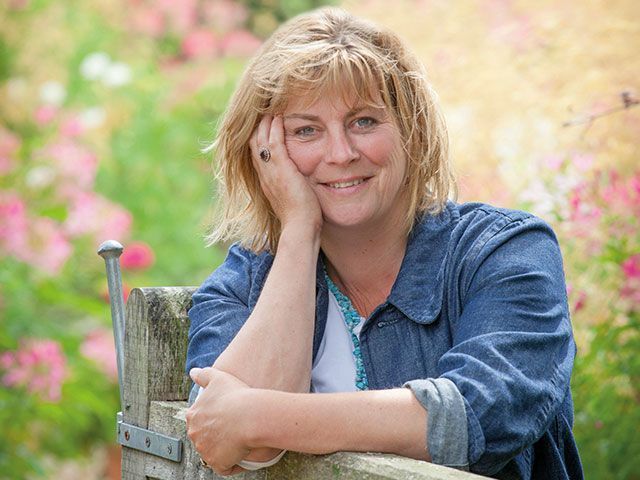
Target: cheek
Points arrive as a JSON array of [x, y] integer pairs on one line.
[[305, 156], [383, 149], [390, 157]]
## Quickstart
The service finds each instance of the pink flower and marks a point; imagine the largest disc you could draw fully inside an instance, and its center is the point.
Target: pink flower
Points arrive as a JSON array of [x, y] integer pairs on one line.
[[240, 43], [9, 145], [137, 256], [631, 266], [71, 127], [6, 360], [584, 215], [635, 185], [14, 225], [225, 15], [505, 24], [116, 223], [583, 161], [38, 365], [45, 114], [200, 44], [553, 162], [631, 285], [623, 195], [126, 290], [148, 20], [92, 214], [181, 14], [48, 248], [99, 347], [18, 4], [631, 291], [37, 241], [580, 302], [76, 164]]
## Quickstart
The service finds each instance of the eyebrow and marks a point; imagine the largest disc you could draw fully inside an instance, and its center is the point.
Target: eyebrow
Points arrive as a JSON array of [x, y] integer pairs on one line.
[[315, 118], [303, 116]]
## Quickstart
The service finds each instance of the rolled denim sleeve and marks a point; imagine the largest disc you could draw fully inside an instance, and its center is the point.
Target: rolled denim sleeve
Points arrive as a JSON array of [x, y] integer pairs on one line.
[[221, 306], [513, 349], [446, 422]]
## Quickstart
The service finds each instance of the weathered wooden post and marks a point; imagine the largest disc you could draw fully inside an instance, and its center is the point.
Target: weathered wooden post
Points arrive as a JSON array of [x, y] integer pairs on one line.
[[150, 350]]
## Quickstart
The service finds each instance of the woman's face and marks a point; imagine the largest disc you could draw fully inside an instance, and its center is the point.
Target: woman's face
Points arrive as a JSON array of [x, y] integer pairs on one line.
[[352, 158]]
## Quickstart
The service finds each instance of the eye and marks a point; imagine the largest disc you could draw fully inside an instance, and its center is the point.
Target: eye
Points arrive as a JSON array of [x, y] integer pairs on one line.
[[305, 131], [365, 122]]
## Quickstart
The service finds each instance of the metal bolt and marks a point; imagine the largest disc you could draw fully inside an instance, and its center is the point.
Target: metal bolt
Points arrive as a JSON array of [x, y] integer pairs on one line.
[[126, 435], [169, 449], [111, 251], [147, 442]]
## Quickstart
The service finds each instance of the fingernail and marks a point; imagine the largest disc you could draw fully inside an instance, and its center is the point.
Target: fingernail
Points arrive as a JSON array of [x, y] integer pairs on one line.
[[194, 371]]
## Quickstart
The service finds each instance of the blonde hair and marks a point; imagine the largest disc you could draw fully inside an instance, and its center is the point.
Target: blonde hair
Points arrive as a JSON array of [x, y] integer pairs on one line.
[[327, 50]]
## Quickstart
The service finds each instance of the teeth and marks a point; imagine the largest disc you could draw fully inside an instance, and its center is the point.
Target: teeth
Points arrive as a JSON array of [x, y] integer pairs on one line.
[[346, 184]]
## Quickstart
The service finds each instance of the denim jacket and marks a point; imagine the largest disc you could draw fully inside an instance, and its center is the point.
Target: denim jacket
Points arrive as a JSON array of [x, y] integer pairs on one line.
[[476, 325]]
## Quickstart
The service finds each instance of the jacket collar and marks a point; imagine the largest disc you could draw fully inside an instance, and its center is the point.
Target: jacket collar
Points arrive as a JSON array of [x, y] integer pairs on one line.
[[418, 290]]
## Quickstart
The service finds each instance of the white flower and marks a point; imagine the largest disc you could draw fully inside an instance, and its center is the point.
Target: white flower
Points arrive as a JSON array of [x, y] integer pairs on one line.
[[117, 74], [39, 177], [92, 117], [99, 66], [545, 133], [52, 93], [460, 119], [507, 139], [541, 200], [95, 66], [564, 183]]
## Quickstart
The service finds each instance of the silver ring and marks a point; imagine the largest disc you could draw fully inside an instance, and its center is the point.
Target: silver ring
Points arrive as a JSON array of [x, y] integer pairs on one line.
[[265, 154], [203, 463]]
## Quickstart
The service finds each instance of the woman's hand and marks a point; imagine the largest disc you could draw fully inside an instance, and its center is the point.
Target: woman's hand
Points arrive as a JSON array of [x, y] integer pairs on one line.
[[216, 422], [287, 190]]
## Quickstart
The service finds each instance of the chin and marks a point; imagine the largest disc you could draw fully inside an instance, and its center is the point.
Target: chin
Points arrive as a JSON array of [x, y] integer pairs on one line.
[[347, 219]]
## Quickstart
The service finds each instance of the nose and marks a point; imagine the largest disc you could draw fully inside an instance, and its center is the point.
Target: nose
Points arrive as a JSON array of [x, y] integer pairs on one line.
[[341, 147]]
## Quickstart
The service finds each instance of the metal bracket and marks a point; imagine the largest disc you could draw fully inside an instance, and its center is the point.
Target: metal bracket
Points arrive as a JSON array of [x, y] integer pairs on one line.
[[147, 441]]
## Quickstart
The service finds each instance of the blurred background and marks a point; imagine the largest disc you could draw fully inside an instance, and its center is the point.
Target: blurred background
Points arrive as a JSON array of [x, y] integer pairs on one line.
[[105, 106]]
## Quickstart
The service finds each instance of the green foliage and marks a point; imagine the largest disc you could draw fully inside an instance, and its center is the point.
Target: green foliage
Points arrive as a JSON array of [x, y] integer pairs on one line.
[[148, 145], [144, 123], [606, 386], [266, 14]]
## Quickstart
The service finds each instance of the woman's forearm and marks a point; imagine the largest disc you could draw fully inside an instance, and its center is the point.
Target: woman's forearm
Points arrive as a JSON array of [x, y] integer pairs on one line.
[[389, 421], [274, 347]]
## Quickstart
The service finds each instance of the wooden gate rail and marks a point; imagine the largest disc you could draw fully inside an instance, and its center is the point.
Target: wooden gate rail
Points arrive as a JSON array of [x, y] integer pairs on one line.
[[156, 389]]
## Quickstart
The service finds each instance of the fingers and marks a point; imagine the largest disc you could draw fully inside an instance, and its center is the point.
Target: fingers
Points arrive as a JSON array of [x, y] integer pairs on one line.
[[269, 134], [260, 137], [200, 376], [276, 138], [222, 470], [264, 130], [232, 471], [283, 184]]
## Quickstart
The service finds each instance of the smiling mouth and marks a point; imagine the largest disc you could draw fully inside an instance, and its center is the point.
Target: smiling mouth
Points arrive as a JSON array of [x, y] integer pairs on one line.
[[350, 183]]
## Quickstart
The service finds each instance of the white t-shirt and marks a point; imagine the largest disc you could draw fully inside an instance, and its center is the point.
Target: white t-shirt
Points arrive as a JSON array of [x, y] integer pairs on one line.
[[334, 368]]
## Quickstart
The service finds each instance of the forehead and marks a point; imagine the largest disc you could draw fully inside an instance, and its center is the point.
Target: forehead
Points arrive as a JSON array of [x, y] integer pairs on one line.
[[342, 100]]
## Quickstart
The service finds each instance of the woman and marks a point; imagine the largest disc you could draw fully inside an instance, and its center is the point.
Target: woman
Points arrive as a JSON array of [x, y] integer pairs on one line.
[[436, 331]]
